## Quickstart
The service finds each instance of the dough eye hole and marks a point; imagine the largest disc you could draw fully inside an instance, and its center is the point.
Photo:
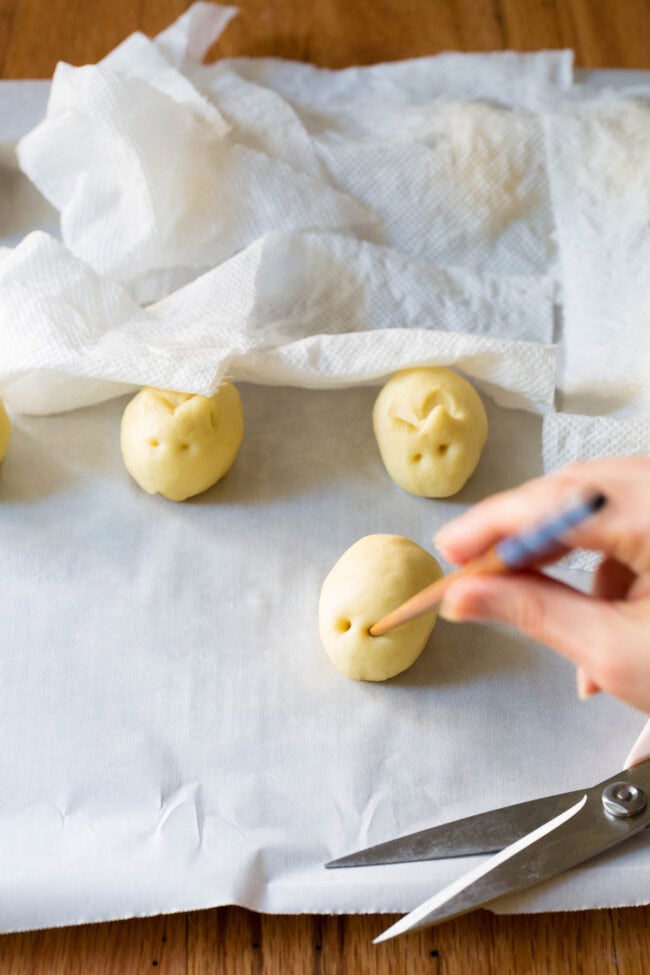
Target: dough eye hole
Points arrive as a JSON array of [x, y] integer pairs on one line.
[[184, 446], [416, 457], [343, 626], [367, 632], [443, 448], [154, 443]]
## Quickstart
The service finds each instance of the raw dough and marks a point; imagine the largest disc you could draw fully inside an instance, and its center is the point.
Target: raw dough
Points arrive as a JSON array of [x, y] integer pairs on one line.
[[374, 576], [5, 430], [180, 444], [430, 426]]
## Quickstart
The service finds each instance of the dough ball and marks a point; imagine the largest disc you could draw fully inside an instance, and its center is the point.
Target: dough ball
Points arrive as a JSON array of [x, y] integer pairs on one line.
[[180, 444], [5, 430], [430, 426], [374, 576]]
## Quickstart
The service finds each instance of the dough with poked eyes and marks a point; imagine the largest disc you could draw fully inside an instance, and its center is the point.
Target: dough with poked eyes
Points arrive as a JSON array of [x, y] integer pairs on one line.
[[374, 576], [180, 444], [5, 430], [431, 427]]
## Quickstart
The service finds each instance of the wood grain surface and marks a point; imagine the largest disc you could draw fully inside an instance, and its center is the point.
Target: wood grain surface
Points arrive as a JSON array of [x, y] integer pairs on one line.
[[34, 35]]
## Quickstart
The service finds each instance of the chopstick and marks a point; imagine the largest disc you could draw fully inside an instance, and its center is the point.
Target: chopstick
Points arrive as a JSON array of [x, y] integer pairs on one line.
[[519, 551]]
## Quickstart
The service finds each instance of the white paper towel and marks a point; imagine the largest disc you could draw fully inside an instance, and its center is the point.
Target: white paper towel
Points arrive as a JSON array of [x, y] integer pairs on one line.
[[568, 438], [598, 150], [599, 169], [261, 119], [97, 157], [268, 309], [380, 97], [102, 157], [456, 182], [186, 40], [312, 310], [467, 188]]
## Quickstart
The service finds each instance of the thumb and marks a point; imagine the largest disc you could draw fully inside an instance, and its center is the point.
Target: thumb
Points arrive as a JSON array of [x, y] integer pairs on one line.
[[577, 626]]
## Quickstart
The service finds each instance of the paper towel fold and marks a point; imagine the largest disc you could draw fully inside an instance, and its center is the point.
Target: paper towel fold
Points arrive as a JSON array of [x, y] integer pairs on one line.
[[260, 119], [313, 310], [188, 38]]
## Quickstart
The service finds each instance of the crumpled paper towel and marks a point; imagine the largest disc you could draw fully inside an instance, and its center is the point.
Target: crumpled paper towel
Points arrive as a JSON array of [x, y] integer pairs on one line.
[[456, 182], [97, 157], [446, 158], [146, 177], [223, 234], [315, 310]]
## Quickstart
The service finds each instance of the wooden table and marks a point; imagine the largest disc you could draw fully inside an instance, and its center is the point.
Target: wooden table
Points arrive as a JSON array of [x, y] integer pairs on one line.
[[34, 35]]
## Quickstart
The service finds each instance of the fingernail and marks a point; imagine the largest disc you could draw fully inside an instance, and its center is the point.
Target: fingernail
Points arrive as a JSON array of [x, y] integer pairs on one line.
[[450, 612], [441, 536], [440, 547], [456, 613], [585, 686]]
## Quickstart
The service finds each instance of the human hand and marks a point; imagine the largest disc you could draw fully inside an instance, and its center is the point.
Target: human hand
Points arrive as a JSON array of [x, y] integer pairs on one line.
[[607, 633]]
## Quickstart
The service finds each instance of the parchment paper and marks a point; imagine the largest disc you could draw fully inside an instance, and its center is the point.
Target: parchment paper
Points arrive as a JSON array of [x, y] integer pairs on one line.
[[173, 735]]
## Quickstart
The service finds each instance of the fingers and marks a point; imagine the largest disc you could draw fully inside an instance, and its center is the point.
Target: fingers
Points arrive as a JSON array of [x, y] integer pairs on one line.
[[574, 624], [604, 634], [621, 529], [611, 581], [607, 639], [495, 517]]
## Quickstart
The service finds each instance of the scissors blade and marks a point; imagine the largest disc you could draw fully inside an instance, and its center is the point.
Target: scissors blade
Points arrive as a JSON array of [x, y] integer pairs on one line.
[[481, 833], [575, 835]]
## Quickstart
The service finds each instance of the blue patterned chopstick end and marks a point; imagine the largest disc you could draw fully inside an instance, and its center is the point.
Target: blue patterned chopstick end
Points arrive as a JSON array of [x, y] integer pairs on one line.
[[536, 543]]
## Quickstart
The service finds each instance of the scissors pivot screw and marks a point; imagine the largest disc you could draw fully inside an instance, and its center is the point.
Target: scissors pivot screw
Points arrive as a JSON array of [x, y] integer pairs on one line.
[[622, 800]]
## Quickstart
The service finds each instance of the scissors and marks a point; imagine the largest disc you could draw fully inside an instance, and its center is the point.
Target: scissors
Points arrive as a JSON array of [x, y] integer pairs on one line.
[[534, 840]]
